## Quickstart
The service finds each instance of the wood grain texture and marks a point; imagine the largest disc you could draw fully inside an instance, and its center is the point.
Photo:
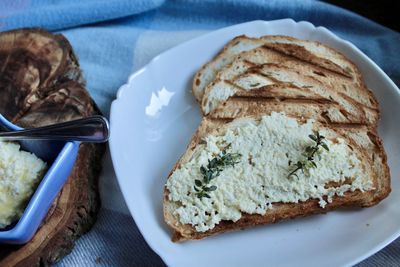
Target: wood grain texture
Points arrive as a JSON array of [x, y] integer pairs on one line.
[[40, 84]]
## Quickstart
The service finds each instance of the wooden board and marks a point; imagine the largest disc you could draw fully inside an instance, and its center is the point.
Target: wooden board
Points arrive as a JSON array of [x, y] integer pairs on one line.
[[40, 84]]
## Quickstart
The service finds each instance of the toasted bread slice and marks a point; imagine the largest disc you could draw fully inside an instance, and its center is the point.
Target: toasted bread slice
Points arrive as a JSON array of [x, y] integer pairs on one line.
[[254, 86], [315, 53], [322, 111], [367, 138], [323, 56], [350, 105], [241, 90], [270, 74], [320, 56], [339, 83], [354, 88], [361, 140], [207, 72]]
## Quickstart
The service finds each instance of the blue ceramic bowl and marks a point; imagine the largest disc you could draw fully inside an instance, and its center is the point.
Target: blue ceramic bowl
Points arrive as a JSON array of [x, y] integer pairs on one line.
[[60, 158]]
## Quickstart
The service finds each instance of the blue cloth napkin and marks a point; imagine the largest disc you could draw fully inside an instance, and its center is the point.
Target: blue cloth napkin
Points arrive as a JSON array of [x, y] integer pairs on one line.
[[113, 38]]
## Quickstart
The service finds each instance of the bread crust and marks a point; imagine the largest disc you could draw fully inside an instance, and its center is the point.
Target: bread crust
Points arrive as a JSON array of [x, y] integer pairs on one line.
[[198, 85], [341, 104]]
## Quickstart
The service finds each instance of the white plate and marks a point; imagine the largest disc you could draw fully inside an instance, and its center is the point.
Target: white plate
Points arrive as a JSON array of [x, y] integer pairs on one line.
[[152, 121]]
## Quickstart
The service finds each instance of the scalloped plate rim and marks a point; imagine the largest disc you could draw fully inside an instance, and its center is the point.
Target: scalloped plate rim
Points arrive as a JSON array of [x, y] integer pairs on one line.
[[120, 98]]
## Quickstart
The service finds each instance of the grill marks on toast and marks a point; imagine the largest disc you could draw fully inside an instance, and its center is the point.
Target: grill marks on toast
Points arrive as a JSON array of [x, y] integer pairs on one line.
[[321, 111], [340, 88], [323, 61], [283, 74], [207, 73], [303, 79], [297, 48], [353, 87], [285, 84]]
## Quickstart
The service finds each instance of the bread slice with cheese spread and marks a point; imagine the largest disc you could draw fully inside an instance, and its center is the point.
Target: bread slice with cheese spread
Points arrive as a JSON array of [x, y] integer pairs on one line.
[[289, 131], [258, 188]]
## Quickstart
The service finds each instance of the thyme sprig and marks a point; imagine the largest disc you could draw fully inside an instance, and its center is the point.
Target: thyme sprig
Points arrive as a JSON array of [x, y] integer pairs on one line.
[[308, 162], [212, 170]]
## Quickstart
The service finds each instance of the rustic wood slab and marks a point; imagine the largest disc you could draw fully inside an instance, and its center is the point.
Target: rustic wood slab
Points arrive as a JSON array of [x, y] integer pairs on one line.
[[41, 84]]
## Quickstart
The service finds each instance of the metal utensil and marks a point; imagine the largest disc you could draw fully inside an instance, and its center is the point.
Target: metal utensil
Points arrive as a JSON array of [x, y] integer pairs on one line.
[[93, 129]]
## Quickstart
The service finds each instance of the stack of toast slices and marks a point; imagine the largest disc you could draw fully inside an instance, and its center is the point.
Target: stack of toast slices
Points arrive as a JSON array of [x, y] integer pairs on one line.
[[268, 84]]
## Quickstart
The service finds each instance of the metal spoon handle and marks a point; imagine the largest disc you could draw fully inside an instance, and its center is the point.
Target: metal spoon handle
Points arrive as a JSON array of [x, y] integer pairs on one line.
[[93, 129]]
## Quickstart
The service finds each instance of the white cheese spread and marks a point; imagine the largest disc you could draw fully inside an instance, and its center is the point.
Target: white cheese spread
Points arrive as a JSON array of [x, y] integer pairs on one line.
[[20, 173], [261, 177]]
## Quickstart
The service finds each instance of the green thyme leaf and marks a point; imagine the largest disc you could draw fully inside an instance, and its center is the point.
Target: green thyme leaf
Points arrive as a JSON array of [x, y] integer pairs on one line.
[[310, 152], [212, 188], [325, 146], [213, 170], [208, 189], [313, 137], [313, 163]]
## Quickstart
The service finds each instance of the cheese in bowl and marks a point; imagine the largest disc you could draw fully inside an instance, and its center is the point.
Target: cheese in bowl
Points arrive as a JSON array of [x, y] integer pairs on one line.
[[20, 173]]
